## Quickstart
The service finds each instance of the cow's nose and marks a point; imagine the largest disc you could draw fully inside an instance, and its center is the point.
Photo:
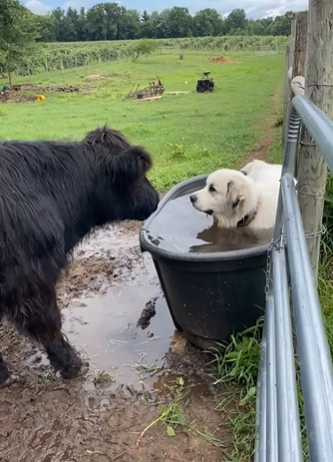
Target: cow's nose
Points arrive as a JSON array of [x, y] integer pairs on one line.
[[193, 198]]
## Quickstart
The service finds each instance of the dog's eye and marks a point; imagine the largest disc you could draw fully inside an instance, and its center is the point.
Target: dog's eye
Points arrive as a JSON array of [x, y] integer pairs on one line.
[[212, 189], [236, 203]]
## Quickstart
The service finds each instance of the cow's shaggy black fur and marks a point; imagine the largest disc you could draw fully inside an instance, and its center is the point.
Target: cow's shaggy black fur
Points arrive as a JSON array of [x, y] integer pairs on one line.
[[51, 196]]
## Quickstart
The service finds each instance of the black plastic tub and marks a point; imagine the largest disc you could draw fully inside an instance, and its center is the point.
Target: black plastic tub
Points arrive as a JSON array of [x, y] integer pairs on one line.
[[210, 294]]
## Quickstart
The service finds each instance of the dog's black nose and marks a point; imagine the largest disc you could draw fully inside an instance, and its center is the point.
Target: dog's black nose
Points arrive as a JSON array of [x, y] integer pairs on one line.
[[193, 198]]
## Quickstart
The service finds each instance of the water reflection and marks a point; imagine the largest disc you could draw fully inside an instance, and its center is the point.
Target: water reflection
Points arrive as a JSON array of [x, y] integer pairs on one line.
[[181, 228]]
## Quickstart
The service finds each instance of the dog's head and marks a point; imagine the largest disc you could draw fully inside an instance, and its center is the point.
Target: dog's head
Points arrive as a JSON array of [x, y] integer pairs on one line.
[[228, 195], [123, 190]]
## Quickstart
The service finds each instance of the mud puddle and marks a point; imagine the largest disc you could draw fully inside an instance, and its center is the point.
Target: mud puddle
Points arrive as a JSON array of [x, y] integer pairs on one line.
[[117, 286], [133, 371], [106, 330], [114, 312]]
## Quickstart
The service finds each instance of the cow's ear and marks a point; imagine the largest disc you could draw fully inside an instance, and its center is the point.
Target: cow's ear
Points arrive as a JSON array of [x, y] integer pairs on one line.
[[130, 165], [111, 140], [96, 137]]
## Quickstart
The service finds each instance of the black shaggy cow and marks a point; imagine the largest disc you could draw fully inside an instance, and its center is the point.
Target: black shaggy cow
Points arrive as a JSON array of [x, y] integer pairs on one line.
[[51, 196]]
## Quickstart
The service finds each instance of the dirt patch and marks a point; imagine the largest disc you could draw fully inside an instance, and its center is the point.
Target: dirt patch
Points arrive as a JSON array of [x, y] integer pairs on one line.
[[31, 93], [132, 377], [261, 150], [46, 89], [222, 60], [95, 77]]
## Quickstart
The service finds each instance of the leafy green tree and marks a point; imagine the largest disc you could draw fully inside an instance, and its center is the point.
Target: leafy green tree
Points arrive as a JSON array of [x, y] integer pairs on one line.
[[281, 25], [17, 38], [45, 26], [113, 14], [110, 21], [58, 18], [160, 24], [97, 23], [236, 21], [259, 26], [207, 22], [70, 25], [82, 27], [143, 48], [128, 24], [146, 26], [179, 22]]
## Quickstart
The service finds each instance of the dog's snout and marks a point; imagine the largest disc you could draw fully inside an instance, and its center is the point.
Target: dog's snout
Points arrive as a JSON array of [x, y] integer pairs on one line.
[[193, 198]]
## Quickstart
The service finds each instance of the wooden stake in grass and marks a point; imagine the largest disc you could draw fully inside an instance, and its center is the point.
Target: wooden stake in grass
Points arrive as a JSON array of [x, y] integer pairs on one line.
[[312, 169]]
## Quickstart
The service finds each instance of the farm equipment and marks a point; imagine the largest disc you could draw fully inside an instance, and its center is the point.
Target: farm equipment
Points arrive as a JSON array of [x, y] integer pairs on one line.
[[205, 84], [154, 90]]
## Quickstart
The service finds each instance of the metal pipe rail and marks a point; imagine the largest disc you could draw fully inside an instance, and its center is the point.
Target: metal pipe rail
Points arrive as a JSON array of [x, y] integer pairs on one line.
[[291, 286]]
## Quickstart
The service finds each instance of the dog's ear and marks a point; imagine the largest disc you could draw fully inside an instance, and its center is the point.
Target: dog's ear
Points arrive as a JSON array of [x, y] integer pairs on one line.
[[129, 165], [234, 194]]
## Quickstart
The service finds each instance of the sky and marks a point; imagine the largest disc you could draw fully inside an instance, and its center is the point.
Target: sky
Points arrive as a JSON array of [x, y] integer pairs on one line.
[[254, 8]]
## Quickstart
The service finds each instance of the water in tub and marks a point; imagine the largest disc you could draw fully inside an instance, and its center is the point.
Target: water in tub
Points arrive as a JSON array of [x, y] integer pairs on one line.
[[181, 228]]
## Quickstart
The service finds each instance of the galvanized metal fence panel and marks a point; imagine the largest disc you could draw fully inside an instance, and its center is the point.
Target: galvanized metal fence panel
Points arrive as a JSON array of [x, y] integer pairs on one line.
[[292, 296]]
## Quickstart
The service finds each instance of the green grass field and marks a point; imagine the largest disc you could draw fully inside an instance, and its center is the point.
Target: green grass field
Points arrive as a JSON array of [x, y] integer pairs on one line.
[[187, 134]]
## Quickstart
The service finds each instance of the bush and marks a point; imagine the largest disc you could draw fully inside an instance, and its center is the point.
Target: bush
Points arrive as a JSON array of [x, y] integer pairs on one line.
[[143, 48]]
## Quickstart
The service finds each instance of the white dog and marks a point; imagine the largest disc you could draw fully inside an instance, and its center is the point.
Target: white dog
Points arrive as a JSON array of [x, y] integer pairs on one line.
[[241, 198], [263, 172]]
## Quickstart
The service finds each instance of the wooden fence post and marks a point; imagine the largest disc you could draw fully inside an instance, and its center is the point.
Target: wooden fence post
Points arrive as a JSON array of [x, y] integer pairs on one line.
[[295, 59], [298, 61], [312, 170]]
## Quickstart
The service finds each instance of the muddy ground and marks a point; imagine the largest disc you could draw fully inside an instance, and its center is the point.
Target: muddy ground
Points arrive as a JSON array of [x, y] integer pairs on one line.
[[31, 92], [136, 370]]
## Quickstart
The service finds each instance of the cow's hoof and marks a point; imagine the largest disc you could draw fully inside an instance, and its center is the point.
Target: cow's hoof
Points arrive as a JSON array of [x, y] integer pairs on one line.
[[75, 370], [10, 379]]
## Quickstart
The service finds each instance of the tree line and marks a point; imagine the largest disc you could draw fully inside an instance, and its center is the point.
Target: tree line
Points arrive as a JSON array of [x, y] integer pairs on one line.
[[110, 21], [20, 29]]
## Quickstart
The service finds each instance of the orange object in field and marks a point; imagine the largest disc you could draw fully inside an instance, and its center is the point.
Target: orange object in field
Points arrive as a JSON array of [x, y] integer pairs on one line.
[[40, 98]]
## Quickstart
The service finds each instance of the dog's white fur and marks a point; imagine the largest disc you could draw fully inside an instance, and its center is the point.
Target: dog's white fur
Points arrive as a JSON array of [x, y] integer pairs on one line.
[[263, 172], [232, 196]]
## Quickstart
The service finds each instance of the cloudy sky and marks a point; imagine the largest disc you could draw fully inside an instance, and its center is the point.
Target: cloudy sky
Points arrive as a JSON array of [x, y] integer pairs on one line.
[[253, 8]]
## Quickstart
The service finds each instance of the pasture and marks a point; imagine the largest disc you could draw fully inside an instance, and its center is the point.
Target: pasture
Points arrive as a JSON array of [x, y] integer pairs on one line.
[[132, 407], [188, 134]]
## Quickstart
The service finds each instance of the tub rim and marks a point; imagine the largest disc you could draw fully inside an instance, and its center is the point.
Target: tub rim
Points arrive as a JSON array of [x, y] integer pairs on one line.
[[156, 251]]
